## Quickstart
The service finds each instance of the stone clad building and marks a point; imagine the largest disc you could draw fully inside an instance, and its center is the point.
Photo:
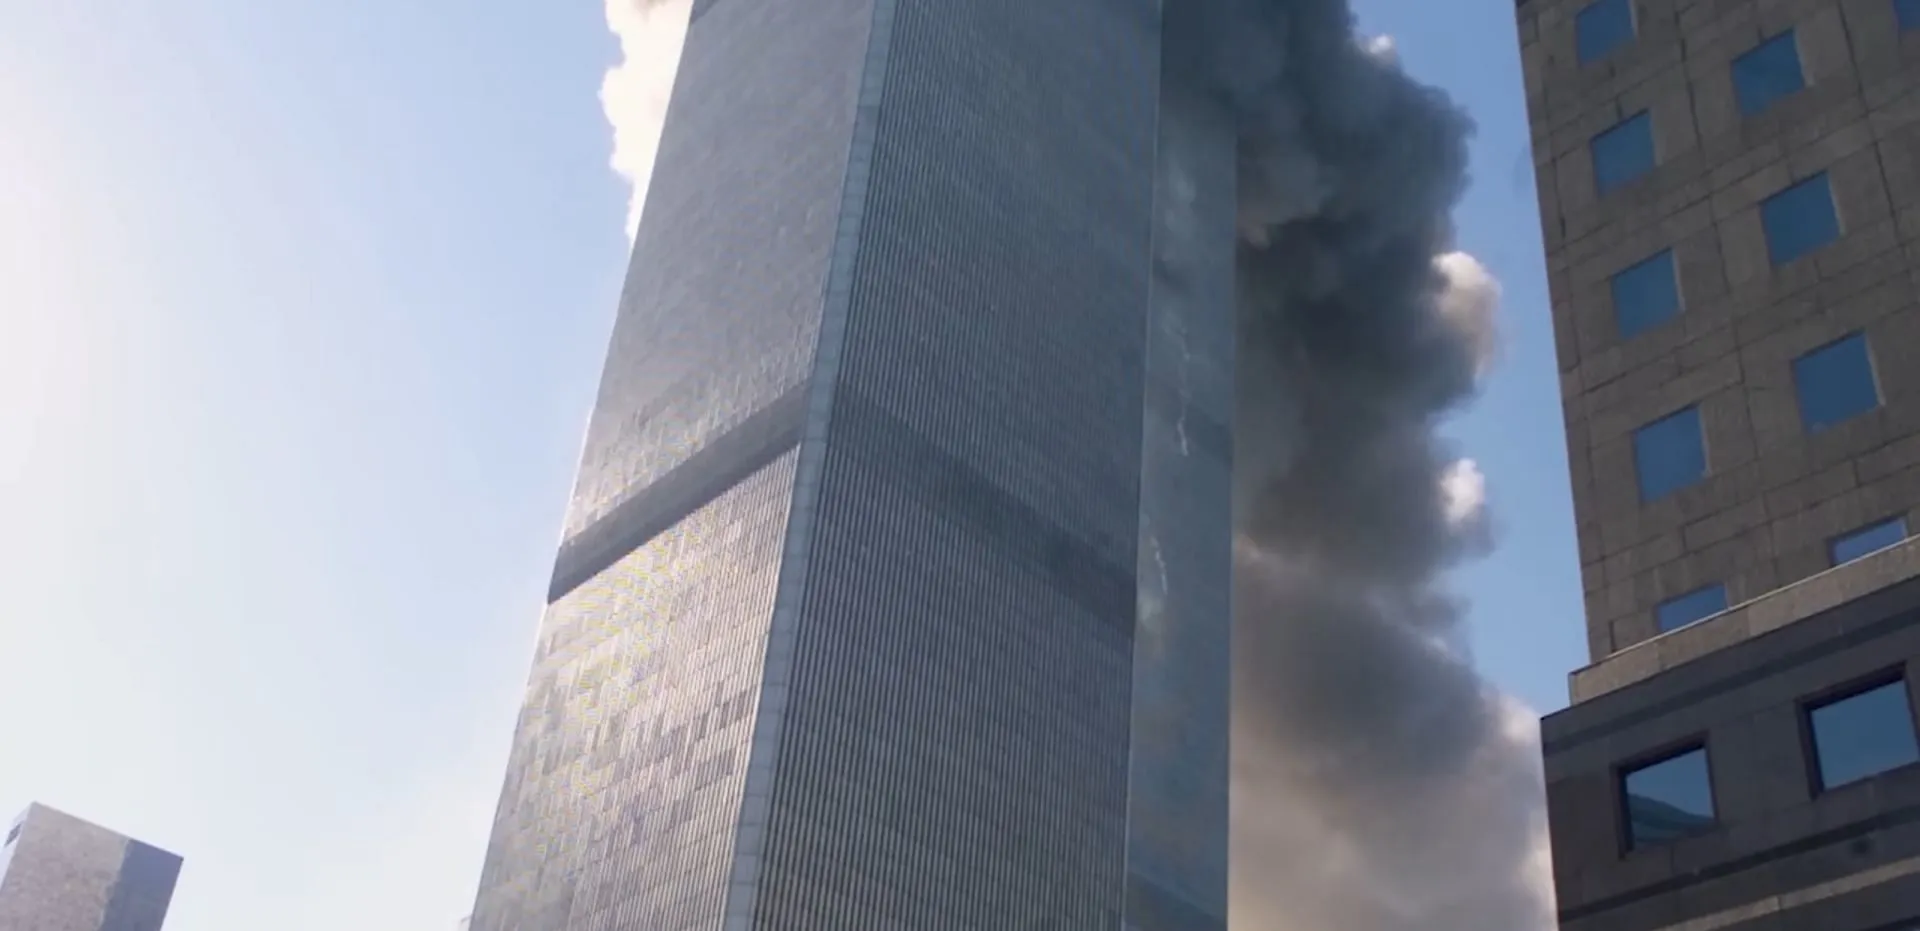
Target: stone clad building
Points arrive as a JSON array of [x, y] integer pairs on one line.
[[1730, 197]]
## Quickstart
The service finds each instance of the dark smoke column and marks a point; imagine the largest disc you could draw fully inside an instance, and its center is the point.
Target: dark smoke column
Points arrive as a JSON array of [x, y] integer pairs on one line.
[[894, 592]]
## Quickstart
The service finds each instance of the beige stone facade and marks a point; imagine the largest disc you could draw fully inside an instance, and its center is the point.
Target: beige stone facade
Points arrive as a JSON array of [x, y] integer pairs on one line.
[[1775, 494]]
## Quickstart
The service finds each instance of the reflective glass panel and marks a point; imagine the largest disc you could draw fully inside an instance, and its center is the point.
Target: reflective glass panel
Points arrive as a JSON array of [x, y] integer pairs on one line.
[[1768, 73], [1602, 26], [1669, 454], [1690, 607], [1669, 799], [1646, 295], [1863, 734], [1868, 540], [1623, 153], [1835, 383], [1799, 219]]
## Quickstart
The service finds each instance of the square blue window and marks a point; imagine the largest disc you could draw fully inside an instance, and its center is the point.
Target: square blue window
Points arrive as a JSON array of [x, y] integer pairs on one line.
[[1799, 219], [1669, 454], [1907, 12], [1646, 295], [1695, 605], [1835, 383], [1623, 153], [1602, 26], [1867, 540], [1668, 799], [1768, 73], [1863, 734]]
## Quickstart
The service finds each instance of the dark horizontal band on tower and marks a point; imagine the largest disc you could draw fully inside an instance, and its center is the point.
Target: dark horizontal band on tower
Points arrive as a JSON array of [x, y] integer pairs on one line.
[[912, 462], [724, 462]]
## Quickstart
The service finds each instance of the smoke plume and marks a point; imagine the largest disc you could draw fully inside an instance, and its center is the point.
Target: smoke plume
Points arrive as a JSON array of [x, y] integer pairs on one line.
[[635, 91], [1379, 783]]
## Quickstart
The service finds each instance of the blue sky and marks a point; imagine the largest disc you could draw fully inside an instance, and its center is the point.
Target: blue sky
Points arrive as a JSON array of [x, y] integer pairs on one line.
[[301, 310]]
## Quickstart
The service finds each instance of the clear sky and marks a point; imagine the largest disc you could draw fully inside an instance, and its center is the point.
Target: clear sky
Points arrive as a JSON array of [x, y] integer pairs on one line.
[[302, 306]]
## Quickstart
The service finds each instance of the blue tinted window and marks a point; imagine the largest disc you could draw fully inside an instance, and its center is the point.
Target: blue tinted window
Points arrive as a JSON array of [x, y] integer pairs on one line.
[[1835, 382], [1669, 454], [1799, 219], [1907, 12], [1623, 153], [1863, 734], [1868, 540], [1602, 26], [1690, 607], [1646, 295], [1669, 799], [1768, 73]]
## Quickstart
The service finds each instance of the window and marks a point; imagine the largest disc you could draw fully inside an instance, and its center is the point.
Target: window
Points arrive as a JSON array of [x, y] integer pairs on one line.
[[1907, 12], [1835, 383], [1867, 540], [1623, 153], [1668, 799], [1695, 605], [1646, 295], [1602, 26], [1669, 454], [1799, 219], [1768, 73], [1862, 734], [13, 834]]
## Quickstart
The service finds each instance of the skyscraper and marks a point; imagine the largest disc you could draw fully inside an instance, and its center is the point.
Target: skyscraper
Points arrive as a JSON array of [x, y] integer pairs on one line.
[[894, 589], [1729, 194], [59, 873]]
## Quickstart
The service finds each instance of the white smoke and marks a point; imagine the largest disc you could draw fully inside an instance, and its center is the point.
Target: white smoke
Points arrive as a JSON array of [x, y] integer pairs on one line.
[[1383, 48], [635, 92], [1469, 300], [1464, 490]]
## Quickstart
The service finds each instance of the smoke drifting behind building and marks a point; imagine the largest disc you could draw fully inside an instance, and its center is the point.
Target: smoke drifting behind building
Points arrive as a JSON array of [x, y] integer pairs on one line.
[[1379, 784]]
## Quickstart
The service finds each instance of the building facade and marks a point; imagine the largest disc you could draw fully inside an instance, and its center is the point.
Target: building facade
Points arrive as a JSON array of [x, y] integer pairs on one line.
[[893, 593], [59, 873], [1730, 197]]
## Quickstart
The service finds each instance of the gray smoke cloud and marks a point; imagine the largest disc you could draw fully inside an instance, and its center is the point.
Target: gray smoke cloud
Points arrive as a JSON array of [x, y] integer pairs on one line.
[[1379, 783]]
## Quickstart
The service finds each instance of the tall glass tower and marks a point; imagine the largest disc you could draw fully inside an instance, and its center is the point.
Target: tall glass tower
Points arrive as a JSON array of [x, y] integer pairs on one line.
[[894, 591]]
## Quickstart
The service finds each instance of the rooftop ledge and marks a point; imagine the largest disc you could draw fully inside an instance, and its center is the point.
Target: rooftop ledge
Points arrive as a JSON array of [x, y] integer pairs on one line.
[[1779, 608]]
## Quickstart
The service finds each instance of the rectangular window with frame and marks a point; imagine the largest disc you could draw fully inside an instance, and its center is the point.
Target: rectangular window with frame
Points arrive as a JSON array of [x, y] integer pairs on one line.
[[1866, 541], [1769, 73], [1646, 294], [1800, 219], [1690, 608], [1668, 798], [1835, 383], [1623, 154], [1670, 454], [1601, 27], [1862, 733]]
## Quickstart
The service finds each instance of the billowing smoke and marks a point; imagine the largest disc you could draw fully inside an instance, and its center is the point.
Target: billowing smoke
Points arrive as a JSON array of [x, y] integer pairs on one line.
[[635, 91], [1379, 783]]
